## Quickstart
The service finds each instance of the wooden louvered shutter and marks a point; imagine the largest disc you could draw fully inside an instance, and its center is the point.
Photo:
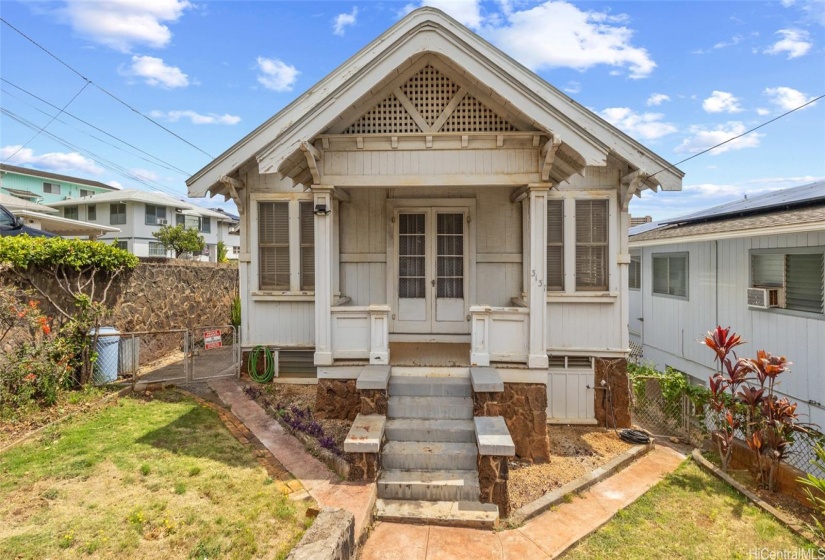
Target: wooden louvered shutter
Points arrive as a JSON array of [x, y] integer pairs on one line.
[[804, 282], [555, 245], [591, 244], [273, 243], [307, 232]]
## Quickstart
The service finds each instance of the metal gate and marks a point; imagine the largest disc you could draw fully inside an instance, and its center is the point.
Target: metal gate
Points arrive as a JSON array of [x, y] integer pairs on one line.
[[153, 356], [215, 352], [660, 416]]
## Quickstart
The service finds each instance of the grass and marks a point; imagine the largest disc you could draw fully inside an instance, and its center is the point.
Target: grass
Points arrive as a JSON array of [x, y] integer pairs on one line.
[[690, 514], [159, 478]]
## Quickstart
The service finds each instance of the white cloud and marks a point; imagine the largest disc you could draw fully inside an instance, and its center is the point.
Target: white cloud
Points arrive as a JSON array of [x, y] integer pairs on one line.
[[573, 87], [53, 161], [761, 111], [657, 99], [786, 98], [647, 126], [558, 34], [702, 138], [155, 72], [735, 40], [342, 21], [144, 174], [275, 74], [195, 117], [467, 12], [115, 184], [721, 102], [794, 42], [124, 24]]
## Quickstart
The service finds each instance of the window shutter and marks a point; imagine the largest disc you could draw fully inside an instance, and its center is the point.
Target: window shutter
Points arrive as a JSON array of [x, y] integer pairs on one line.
[[591, 244], [768, 269], [307, 232], [635, 273], [273, 242], [555, 245], [804, 282]]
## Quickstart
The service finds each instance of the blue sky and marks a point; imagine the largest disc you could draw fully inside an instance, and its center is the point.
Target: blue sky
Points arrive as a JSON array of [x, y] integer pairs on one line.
[[677, 76]]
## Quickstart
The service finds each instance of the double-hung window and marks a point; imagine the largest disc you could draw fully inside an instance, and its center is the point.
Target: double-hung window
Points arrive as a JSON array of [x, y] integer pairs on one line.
[[284, 225], [155, 215], [206, 225], [799, 272], [156, 249], [670, 274], [591, 245], [91, 212], [635, 272], [51, 188], [71, 212], [86, 192], [117, 214]]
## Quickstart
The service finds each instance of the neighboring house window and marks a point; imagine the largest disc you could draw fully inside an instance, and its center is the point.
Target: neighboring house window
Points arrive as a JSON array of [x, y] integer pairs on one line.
[[799, 272], [71, 212], [273, 245], [156, 249], [236, 250], [155, 215], [635, 273], [51, 188], [91, 212], [307, 231], [555, 245], [117, 214], [122, 245], [206, 225], [670, 274], [591, 244], [84, 192], [188, 221]]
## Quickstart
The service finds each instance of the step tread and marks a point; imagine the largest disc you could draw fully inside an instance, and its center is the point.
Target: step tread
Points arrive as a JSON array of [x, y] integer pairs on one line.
[[430, 477], [430, 447], [473, 514], [443, 379], [424, 399], [430, 424]]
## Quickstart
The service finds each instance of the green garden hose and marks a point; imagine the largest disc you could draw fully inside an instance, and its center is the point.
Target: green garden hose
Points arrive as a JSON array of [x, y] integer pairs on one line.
[[269, 365]]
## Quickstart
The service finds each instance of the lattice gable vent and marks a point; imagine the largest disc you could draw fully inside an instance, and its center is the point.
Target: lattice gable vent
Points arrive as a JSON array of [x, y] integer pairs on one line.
[[429, 93]]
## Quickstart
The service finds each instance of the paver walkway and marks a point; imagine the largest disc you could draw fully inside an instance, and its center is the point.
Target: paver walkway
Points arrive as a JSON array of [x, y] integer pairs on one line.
[[315, 477], [546, 536]]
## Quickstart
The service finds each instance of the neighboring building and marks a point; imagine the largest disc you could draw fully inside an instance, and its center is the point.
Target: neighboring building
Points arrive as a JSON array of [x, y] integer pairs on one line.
[[48, 219], [45, 187], [756, 265], [230, 234], [639, 220], [140, 213]]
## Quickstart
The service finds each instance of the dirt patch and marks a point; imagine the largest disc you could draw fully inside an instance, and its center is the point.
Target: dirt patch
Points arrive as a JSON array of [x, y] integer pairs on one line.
[[574, 451]]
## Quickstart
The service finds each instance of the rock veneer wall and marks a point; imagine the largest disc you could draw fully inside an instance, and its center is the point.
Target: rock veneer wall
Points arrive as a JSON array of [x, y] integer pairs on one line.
[[493, 474], [364, 467], [374, 401], [614, 371], [524, 408], [331, 537], [337, 399]]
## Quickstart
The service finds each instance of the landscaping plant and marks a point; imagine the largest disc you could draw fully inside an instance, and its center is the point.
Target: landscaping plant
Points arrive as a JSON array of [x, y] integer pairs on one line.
[[179, 239], [815, 492], [222, 251], [743, 397]]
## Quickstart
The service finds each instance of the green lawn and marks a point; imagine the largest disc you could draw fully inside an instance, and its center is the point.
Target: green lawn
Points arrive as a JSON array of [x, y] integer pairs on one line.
[[690, 514], [158, 478]]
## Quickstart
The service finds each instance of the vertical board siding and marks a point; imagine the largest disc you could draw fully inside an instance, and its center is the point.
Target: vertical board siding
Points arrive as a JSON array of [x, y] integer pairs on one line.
[[364, 283], [497, 283], [570, 395], [431, 162], [799, 338], [584, 325], [278, 323]]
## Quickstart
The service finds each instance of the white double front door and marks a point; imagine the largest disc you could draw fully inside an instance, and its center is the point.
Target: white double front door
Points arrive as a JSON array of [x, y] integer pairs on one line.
[[430, 277]]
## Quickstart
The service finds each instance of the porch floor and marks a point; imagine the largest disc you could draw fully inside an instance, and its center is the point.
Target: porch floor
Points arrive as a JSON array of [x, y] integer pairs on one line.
[[429, 354]]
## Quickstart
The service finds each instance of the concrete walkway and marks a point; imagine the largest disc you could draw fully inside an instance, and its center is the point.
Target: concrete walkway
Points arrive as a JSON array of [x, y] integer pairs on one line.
[[319, 481], [546, 536]]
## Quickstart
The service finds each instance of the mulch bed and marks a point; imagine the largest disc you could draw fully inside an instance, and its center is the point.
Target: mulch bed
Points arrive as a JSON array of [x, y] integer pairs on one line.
[[574, 451]]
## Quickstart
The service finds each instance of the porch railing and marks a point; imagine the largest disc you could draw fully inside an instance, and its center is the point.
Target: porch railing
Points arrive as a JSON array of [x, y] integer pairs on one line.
[[361, 332], [499, 334]]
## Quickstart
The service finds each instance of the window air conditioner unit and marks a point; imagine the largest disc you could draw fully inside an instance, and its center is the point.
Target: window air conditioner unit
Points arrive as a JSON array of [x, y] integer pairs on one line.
[[766, 297], [162, 221]]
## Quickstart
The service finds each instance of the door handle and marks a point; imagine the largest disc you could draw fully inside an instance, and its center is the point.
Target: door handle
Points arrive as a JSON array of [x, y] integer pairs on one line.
[[432, 282]]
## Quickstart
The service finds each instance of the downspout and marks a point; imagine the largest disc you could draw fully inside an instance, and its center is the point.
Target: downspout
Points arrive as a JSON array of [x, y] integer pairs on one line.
[[716, 280]]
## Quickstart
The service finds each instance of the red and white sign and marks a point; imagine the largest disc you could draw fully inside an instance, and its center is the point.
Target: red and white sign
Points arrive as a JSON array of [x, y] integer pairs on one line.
[[212, 339]]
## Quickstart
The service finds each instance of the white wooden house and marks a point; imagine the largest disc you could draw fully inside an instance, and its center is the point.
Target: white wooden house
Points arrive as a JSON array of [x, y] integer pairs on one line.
[[756, 265], [432, 190]]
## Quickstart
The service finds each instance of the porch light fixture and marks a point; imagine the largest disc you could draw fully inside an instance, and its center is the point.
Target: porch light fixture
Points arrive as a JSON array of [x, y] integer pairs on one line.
[[321, 210]]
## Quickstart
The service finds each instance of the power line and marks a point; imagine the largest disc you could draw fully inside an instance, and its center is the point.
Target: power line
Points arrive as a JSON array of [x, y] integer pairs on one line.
[[814, 100], [113, 96], [36, 134], [156, 159]]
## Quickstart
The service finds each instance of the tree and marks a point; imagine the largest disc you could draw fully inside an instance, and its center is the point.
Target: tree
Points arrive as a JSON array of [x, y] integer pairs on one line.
[[222, 250], [180, 240]]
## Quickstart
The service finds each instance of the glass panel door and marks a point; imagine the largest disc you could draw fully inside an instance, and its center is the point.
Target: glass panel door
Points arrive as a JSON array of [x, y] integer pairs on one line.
[[412, 280], [450, 276]]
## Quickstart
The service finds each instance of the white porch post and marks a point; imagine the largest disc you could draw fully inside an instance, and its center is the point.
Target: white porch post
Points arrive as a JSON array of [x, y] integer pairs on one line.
[[537, 267], [323, 274]]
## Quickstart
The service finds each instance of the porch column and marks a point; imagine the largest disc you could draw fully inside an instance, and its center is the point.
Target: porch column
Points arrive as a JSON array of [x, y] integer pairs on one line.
[[537, 269], [324, 221]]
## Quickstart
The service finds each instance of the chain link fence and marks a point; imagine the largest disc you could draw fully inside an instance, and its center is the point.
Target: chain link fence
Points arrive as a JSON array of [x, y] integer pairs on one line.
[[661, 416]]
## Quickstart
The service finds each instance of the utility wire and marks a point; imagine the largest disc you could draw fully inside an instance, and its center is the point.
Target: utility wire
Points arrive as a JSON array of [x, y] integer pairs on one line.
[[814, 100], [113, 96], [156, 159], [36, 134]]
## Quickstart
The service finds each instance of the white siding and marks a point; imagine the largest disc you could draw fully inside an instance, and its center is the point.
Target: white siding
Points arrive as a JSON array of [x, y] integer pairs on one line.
[[584, 326], [281, 324], [673, 328]]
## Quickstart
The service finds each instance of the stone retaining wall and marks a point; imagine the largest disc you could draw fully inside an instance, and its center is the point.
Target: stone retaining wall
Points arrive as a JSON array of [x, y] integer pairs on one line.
[[331, 537], [364, 467], [374, 401], [493, 474], [337, 399], [524, 408], [614, 371]]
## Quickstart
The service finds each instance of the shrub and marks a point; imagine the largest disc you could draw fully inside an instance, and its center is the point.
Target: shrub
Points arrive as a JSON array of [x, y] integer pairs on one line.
[[815, 492]]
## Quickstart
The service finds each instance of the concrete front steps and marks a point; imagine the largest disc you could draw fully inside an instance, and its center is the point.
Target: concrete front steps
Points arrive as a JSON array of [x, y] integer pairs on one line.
[[429, 472]]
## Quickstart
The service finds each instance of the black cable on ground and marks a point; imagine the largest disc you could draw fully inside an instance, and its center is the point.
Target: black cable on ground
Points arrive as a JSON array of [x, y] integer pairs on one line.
[[636, 437], [269, 365]]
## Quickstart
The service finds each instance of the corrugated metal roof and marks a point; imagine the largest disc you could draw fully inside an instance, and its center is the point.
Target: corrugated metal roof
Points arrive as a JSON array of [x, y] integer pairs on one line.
[[784, 198]]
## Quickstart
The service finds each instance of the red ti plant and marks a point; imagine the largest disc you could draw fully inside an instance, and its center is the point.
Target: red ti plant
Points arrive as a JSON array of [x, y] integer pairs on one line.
[[722, 342]]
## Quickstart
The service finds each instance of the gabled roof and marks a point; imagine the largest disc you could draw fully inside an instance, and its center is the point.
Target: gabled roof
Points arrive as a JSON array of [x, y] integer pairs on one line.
[[428, 30], [145, 197], [55, 176]]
